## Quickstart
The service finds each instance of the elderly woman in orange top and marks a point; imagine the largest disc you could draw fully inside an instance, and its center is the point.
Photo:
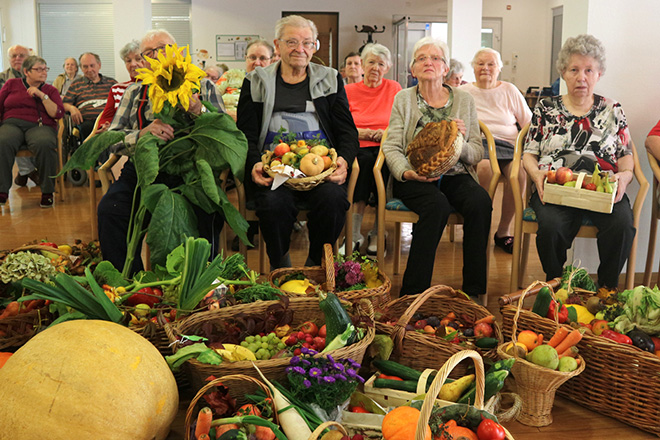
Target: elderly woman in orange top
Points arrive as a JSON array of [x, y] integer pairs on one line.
[[503, 109], [29, 109], [370, 102]]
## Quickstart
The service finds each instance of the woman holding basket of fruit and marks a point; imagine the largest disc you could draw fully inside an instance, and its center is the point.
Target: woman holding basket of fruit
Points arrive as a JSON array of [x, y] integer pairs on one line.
[[580, 130], [415, 110]]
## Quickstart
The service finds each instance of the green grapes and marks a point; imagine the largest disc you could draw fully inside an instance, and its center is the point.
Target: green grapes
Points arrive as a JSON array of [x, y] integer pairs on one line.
[[263, 347]]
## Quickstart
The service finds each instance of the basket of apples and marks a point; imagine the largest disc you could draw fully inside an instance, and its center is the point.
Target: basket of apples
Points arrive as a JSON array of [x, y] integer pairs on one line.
[[594, 192], [303, 162]]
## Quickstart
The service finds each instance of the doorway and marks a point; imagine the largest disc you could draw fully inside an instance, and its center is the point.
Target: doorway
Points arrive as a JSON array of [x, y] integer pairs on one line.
[[327, 24], [557, 18]]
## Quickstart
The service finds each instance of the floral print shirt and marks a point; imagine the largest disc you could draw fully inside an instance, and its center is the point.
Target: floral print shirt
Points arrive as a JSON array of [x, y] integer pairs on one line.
[[559, 138]]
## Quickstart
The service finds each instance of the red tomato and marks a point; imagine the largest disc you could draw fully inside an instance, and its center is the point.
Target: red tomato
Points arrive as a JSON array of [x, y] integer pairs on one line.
[[359, 409], [49, 244], [309, 328], [322, 331], [490, 430]]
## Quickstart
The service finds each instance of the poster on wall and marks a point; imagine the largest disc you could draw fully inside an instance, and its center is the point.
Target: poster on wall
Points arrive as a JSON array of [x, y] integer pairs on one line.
[[232, 47]]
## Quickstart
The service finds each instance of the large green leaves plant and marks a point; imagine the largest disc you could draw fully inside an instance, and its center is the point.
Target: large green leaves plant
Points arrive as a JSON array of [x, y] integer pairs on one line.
[[200, 151]]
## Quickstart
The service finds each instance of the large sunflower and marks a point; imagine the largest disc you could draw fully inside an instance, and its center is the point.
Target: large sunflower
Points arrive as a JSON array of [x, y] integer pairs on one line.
[[172, 77]]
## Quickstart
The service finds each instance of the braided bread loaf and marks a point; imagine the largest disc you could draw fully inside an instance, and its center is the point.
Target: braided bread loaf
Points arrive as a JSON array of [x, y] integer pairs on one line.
[[432, 147]]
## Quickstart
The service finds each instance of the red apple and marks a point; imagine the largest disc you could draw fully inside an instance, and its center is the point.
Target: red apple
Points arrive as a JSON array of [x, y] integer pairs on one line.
[[483, 330], [564, 174], [281, 149], [419, 325], [322, 331], [309, 328], [552, 176]]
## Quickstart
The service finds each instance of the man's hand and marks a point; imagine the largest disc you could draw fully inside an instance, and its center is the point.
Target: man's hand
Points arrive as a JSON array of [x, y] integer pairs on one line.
[[159, 129], [102, 128], [258, 175], [412, 175], [340, 174], [76, 116]]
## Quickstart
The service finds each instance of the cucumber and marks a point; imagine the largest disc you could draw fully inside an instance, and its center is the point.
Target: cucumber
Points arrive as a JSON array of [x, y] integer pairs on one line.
[[542, 302], [486, 343], [401, 385], [336, 317], [501, 365], [392, 368], [494, 382]]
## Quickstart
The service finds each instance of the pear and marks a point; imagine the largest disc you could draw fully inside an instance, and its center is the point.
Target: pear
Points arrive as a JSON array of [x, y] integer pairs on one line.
[[545, 356], [567, 364]]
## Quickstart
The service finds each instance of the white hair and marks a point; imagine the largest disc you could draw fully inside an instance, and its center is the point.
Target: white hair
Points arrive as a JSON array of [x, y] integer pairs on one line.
[[295, 21], [377, 50], [426, 41], [586, 45], [498, 57]]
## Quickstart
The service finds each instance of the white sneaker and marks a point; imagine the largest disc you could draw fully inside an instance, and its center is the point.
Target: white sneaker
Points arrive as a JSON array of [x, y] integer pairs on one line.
[[372, 244], [357, 245]]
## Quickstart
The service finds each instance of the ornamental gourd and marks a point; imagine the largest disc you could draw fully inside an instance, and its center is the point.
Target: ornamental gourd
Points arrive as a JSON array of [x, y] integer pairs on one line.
[[87, 379], [401, 424], [311, 164]]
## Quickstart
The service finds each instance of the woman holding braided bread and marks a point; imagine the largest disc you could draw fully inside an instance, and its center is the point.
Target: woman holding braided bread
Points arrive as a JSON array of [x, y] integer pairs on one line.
[[434, 198]]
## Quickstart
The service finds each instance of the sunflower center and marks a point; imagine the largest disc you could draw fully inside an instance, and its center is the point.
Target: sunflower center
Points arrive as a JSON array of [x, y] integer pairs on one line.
[[178, 78]]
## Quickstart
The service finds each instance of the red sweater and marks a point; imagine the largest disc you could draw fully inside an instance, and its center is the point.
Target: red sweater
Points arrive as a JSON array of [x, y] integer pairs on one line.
[[114, 98], [16, 103], [371, 106]]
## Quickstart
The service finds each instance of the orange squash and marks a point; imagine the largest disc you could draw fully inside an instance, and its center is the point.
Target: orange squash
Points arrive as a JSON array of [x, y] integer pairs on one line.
[[401, 424], [456, 432], [311, 164]]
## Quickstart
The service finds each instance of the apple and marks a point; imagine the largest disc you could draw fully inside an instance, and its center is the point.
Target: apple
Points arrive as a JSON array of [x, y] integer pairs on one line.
[[552, 176], [281, 149], [599, 326], [309, 328], [483, 330], [288, 157], [322, 331], [319, 343], [419, 325], [327, 162], [564, 174]]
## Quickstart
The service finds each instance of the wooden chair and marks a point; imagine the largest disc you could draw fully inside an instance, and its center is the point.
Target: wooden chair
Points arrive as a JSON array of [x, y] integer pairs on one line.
[[655, 215], [525, 220], [59, 181], [250, 214], [393, 210], [91, 179]]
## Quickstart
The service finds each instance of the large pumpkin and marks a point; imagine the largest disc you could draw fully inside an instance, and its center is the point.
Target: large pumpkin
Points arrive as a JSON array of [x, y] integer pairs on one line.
[[401, 424], [87, 379]]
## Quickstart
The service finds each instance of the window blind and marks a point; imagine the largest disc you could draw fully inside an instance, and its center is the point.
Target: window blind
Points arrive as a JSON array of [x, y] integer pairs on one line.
[[173, 17]]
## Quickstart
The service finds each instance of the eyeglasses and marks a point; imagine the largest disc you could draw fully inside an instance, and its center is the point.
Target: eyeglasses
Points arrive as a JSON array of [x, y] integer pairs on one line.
[[40, 69], [294, 44], [151, 52], [255, 58], [436, 59], [18, 55]]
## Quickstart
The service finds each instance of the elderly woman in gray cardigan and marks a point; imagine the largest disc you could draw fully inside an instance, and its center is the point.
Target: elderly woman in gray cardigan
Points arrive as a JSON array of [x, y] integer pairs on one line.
[[433, 199]]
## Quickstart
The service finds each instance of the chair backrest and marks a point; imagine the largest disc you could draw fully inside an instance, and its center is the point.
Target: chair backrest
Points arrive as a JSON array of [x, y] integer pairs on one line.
[[518, 200]]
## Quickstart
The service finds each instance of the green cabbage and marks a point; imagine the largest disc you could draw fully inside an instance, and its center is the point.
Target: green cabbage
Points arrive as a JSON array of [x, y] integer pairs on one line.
[[641, 309]]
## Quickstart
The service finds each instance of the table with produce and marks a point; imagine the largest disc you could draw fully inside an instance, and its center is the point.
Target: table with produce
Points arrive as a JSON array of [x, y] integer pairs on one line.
[[293, 355]]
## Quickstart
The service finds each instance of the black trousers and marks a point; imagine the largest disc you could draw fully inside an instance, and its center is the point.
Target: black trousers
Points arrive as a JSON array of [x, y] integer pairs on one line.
[[433, 204], [366, 184], [278, 210], [558, 226], [114, 213]]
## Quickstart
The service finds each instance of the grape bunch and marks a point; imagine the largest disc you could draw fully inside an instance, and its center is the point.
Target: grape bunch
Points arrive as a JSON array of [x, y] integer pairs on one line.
[[264, 347]]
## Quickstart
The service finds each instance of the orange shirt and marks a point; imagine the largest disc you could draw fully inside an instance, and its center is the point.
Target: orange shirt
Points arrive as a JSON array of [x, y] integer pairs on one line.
[[371, 106]]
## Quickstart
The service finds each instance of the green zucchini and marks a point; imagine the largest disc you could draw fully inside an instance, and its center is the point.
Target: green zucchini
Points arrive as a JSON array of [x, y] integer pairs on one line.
[[494, 382], [487, 343], [542, 302], [401, 385], [336, 317], [501, 365], [392, 368]]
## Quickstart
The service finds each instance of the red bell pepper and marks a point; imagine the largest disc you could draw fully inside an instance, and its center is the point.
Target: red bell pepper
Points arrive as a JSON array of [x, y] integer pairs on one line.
[[563, 312], [616, 337], [385, 376], [146, 295]]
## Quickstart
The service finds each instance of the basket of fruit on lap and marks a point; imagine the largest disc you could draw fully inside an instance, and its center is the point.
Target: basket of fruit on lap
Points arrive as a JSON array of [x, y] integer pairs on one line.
[[541, 367], [432, 326], [306, 162]]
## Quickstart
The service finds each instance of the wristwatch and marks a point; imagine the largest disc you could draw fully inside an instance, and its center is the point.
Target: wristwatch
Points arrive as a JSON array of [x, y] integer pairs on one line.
[[45, 98]]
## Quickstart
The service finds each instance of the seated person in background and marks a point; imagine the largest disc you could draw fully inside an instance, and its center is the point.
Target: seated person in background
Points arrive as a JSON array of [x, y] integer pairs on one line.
[[213, 73], [29, 109], [64, 80], [259, 53], [26, 165], [305, 98], [414, 108], [653, 141], [370, 103], [130, 54], [585, 127], [353, 68], [503, 109], [454, 77], [135, 118], [88, 95]]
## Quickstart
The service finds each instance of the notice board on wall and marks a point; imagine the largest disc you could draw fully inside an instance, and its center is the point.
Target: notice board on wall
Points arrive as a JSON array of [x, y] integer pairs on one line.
[[232, 47]]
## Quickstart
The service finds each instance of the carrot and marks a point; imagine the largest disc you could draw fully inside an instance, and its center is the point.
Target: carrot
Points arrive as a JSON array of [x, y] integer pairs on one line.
[[487, 320], [264, 433], [559, 336], [248, 409], [204, 419], [204, 437], [570, 340], [224, 428], [540, 339], [4, 357], [10, 310], [292, 423], [570, 351]]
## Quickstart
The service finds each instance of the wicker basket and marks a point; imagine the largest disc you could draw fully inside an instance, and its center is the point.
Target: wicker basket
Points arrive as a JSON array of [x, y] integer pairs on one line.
[[323, 426], [420, 351], [536, 384], [302, 183], [230, 382], [624, 375], [436, 385], [454, 153], [305, 309], [324, 275]]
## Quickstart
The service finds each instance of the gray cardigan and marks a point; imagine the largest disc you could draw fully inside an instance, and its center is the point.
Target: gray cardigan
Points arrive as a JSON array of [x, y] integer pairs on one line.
[[404, 118]]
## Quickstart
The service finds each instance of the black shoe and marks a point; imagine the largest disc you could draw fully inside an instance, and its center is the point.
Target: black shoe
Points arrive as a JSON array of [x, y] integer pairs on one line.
[[3, 198], [504, 243], [46, 200], [34, 176], [21, 180]]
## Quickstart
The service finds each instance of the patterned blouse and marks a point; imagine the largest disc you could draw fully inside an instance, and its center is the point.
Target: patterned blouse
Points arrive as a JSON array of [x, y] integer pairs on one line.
[[559, 138]]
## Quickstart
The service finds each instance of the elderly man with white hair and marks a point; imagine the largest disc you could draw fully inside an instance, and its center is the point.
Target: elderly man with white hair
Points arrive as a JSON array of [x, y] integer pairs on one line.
[[309, 100], [135, 118]]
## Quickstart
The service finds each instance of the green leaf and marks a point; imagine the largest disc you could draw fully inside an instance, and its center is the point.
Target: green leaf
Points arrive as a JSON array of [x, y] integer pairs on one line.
[[196, 195], [234, 218], [171, 220], [175, 260], [87, 154], [69, 316], [146, 159], [229, 142], [208, 180], [151, 195], [105, 273]]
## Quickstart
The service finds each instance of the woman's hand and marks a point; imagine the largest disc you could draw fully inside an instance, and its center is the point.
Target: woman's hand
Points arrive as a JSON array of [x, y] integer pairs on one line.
[[531, 165], [412, 175], [624, 178], [258, 175], [339, 175], [35, 92], [461, 126], [377, 135]]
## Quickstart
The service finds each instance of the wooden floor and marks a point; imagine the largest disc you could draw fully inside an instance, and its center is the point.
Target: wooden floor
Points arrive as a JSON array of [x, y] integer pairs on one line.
[[22, 221]]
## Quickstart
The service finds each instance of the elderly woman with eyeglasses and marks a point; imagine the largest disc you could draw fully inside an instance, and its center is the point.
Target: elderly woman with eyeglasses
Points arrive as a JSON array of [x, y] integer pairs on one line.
[[431, 198], [29, 109], [578, 130], [259, 53]]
